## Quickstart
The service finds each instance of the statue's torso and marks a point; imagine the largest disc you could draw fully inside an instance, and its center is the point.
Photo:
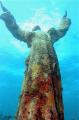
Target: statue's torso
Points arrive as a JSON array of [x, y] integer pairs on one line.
[[41, 82], [40, 53]]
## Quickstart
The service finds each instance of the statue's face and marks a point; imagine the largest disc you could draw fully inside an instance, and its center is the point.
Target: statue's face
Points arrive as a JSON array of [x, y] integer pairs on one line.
[[36, 28]]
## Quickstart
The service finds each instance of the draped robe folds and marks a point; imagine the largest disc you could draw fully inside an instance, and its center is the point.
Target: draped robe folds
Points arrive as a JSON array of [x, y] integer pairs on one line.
[[41, 93]]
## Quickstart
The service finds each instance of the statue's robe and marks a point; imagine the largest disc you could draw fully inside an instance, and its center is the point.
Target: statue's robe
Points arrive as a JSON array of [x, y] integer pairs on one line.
[[41, 93]]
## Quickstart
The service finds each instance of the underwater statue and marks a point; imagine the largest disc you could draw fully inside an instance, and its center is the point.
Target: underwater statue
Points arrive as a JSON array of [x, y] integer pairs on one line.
[[41, 93]]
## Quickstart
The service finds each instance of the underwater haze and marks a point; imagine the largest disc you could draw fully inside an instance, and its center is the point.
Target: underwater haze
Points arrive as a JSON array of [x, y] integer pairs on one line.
[[46, 14]]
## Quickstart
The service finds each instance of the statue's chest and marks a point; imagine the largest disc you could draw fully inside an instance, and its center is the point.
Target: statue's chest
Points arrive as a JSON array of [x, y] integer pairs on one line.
[[40, 50], [40, 43], [41, 57]]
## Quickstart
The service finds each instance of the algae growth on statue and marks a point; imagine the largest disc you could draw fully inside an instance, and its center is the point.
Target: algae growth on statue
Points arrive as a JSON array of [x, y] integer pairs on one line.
[[41, 93]]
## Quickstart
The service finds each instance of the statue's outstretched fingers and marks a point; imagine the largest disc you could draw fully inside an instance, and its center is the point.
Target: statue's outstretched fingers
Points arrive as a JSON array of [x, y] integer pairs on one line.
[[65, 14], [3, 8]]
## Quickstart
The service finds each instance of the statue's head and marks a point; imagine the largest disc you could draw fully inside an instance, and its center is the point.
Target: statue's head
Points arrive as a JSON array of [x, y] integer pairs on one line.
[[36, 28]]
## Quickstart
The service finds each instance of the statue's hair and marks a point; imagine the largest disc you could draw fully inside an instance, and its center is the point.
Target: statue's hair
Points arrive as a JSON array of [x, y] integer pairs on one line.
[[37, 27]]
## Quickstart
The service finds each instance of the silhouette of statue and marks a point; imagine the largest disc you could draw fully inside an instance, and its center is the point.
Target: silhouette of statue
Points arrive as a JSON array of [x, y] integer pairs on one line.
[[41, 93]]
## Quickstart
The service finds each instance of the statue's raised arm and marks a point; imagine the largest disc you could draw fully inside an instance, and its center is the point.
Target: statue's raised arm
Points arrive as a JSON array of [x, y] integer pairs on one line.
[[13, 27], [56, 34]]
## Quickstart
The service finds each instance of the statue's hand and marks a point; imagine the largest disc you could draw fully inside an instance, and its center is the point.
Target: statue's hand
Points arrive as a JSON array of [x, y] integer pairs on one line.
[[3, 8], [3, 15], [65, 14]]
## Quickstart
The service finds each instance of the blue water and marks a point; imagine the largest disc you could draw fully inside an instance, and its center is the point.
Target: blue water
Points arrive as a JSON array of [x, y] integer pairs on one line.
[[45, 13]]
